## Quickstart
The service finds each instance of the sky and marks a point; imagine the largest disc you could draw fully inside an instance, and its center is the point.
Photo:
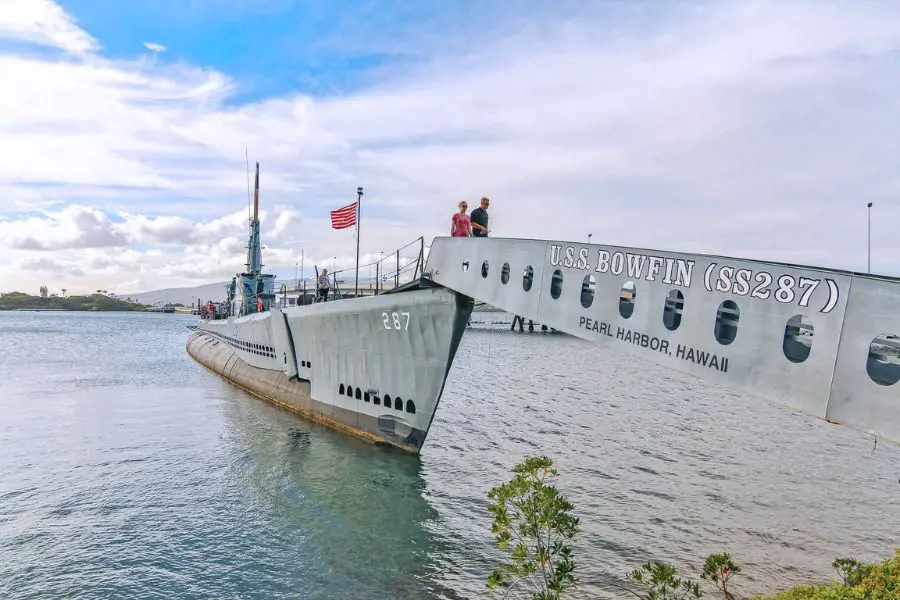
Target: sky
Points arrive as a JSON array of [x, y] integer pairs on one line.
[[747, 129]]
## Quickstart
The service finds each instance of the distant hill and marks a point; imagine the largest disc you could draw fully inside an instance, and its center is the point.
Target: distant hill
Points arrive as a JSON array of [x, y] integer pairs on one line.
[[187, 295], [20, 301]]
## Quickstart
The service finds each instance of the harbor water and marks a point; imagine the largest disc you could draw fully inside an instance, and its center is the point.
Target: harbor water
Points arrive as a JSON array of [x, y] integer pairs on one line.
[[127, 470]]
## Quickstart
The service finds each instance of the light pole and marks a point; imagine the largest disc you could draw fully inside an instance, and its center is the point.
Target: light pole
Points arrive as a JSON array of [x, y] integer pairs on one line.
[[869, 241]]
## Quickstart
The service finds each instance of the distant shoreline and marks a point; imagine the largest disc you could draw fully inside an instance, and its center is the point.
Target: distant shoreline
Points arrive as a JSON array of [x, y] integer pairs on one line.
[[18, 301]]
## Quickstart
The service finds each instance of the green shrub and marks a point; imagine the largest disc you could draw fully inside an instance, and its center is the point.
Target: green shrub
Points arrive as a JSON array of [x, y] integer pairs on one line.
[[534, 521], [877, 581]]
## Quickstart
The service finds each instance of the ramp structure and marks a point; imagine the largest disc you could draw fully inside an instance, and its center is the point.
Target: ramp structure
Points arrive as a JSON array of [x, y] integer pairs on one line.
[[822, 341]]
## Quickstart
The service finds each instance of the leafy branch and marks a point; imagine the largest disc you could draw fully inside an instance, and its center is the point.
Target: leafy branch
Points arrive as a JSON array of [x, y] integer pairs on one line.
[[533, 521]]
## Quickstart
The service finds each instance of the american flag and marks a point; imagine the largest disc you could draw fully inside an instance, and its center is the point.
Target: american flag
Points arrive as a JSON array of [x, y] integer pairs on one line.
[[344, 217]]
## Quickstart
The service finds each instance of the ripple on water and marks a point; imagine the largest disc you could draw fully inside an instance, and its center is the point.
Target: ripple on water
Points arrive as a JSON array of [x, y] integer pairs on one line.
[[129, 471]]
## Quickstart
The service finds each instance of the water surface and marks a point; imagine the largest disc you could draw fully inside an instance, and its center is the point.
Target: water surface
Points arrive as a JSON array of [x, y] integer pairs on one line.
[[130, 471]]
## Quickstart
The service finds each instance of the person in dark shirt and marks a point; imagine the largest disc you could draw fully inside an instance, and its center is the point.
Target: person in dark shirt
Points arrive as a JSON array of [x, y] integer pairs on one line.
[[479, 218]]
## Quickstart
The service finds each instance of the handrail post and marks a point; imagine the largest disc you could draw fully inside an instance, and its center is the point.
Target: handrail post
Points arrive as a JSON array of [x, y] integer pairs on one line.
[[397, 274]]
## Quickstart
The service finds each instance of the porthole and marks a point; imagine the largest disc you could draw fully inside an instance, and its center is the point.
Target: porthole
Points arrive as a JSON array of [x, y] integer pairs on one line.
[[350, 391], [798, 338], [626, 299], [387, 400], [556, 284], [366, 397], [673, 309], [504, 274], [398, 403], [587, 291], [341, 390], [528, 278], [727, 318], [883, 364], [376, 400], [484, 269], [358, 394], [410, 407]]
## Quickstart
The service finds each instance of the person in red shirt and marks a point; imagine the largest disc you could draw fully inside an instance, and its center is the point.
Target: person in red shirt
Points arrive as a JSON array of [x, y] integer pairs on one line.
[[461, 223]]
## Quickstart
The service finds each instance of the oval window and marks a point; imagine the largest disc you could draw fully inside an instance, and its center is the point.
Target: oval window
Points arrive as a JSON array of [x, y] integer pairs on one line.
[[798, 335], [883, 364], [556, 284], [528, 278], [587, 291], [673, 309], [727, 322], [626, 299], [504, 273], [484, 269]]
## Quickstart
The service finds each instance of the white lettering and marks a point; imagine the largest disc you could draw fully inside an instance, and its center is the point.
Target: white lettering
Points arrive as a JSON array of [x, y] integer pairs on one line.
[[636, 265], [602, 261], [394, 319], [554, 254], [669, 264], [618, 263], [653, 268], [724, 282], [742, 282], [685, 270], [583, 258]]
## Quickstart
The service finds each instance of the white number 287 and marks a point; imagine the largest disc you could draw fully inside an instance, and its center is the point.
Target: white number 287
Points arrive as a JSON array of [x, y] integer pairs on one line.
[[395, 320]]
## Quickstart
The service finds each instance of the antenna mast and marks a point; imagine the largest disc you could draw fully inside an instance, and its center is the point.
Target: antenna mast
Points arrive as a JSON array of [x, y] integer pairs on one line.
[[247, 155]]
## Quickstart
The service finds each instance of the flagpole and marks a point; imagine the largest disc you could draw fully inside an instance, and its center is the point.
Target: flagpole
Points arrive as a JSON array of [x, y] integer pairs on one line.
[[359, 195]]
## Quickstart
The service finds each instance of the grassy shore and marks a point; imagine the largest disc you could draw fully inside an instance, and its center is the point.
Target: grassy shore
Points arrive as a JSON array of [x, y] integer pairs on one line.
[[94, 302]]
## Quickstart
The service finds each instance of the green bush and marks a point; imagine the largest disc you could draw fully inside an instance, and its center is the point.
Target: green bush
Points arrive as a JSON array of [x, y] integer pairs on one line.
[[876, 581], [533, 521]]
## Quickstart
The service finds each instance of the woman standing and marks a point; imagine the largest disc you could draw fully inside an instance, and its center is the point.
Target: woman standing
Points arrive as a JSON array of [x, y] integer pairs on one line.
[[461, 223]]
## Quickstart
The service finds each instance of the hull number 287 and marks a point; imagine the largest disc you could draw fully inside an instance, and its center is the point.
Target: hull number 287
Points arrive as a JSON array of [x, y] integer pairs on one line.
[[395, 320]]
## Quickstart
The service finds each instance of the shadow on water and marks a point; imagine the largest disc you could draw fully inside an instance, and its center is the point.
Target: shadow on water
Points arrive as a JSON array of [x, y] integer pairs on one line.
[[359, 513]]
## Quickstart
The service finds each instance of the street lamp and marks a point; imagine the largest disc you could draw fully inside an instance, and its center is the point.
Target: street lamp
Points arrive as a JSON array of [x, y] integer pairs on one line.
[[869, 241]]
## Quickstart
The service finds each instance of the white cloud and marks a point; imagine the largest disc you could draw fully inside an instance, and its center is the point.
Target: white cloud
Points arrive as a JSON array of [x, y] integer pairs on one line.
[[45, 23], [154, 47], [751, 128]]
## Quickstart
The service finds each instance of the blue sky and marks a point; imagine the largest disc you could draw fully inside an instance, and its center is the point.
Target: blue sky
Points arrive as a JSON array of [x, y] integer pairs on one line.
[[753, 128]]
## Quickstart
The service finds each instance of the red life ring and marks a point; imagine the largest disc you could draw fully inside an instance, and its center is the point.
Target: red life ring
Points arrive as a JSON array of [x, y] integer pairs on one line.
[[259, 304]]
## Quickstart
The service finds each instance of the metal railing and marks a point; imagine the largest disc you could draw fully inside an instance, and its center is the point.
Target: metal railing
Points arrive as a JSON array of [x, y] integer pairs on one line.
[[402, 266]]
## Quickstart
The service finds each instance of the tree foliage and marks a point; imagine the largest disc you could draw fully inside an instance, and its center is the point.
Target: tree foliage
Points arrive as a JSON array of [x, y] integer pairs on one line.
[[94, 302], [532, 521]]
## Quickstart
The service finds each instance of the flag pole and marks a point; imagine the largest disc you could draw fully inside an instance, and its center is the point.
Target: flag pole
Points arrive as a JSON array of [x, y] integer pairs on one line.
[[359, 195]]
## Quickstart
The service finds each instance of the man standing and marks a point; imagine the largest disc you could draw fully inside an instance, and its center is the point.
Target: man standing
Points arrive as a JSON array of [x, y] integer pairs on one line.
[[324, 284], [479, 218]]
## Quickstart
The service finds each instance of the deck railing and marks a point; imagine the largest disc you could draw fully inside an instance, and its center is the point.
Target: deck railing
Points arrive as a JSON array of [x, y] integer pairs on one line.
[[402, 266]]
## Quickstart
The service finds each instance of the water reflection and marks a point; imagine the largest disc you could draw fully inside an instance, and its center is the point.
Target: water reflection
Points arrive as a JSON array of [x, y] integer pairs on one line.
[[883, 363], [359, 516], [798, 337]]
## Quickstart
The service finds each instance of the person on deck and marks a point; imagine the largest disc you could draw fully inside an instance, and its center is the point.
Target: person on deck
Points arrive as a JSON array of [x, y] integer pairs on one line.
[[324, 285], [480, 219], [461, 224]]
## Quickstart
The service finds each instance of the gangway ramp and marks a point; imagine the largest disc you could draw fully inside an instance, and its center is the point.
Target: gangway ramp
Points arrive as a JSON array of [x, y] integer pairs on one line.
[[821, 341]]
